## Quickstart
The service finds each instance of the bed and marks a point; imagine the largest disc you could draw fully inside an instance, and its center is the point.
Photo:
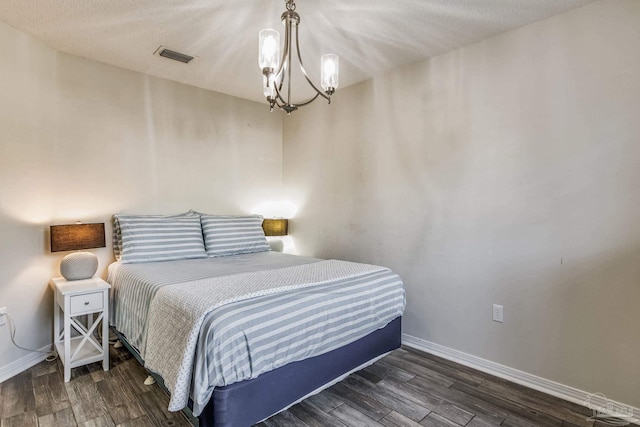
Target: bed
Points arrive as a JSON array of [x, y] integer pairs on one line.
[[238, 337]]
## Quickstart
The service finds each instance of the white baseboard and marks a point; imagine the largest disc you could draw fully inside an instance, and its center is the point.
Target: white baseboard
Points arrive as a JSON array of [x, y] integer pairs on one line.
[[514, 375], [22, 364]]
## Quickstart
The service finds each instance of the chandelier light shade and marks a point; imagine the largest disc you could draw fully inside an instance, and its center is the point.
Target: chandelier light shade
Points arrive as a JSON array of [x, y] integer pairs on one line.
[[330, 68], [269, 54], [276, 65]]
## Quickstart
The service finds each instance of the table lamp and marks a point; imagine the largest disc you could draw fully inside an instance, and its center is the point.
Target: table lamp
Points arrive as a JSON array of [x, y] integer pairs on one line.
[[75, 237]]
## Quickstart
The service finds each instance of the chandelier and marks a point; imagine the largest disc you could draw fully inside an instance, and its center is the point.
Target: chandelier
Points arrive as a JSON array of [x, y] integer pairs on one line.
[[276, 69]]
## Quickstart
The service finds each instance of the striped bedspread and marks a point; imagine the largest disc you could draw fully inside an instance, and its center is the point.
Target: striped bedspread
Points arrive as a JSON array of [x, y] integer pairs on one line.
[[135, 285], [213, 332]]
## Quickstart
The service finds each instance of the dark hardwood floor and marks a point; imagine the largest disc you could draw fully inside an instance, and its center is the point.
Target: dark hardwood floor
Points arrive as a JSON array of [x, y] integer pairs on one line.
[[406, 388]]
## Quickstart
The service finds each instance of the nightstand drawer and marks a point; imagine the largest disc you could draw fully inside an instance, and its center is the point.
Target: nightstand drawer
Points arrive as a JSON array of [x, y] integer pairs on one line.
[[86, 302]]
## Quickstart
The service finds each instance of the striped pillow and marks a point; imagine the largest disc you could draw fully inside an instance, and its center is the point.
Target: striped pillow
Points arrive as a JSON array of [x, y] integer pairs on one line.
[[232, 235], [117, 232], [148, 239]]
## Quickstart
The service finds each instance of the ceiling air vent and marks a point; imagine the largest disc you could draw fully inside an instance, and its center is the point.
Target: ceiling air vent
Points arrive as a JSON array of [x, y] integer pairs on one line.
[[172, 54]]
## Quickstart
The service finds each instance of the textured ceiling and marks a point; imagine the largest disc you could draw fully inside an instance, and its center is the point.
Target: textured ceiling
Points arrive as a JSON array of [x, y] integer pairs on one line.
[[370, 36]]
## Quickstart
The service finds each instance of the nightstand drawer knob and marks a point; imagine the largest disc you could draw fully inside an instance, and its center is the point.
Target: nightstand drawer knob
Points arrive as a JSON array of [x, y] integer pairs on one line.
[[86, 303]]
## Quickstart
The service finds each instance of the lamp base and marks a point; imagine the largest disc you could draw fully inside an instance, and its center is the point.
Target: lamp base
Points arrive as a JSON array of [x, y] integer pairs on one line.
[[277, 245], [79, 265]]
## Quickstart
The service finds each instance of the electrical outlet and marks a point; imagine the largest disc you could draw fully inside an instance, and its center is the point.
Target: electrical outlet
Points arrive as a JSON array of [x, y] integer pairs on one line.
[[498, 313], [3, 311]]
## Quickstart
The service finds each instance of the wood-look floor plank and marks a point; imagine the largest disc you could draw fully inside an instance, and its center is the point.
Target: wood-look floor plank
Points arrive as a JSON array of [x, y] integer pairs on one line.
[[408, 392], [509, 406], [143, 421], [579, 409], [352, 417], [480, 422], [79, 372], [453, 413], [50, 394], [394, 419], [63, 417], [285, 419], [400, 351], [44, 368], [363, 403], [469, 403], [603, 424], [435, 403], [385, 370], [101, 421], [516, 421], [324, 401], [419, 370], [134, 375], [313, 416], [471, 375], [24, 419], [155, 404], [17, 396], [98, 374], [412, 410], [448, 364], [370, 376], [537, 401], [121, 403], [435, 420], [86, 401], [453, 373]]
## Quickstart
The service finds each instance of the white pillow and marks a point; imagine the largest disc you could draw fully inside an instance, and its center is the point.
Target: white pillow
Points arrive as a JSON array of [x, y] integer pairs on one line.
[[232, 235]]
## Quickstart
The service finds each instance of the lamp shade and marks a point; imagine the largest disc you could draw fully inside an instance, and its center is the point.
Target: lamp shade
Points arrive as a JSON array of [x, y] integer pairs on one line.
[[275, 227], [74, 237]]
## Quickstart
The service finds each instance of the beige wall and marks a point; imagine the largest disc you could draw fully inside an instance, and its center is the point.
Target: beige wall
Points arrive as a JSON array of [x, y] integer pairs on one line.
[[505, 172], [80, 140]]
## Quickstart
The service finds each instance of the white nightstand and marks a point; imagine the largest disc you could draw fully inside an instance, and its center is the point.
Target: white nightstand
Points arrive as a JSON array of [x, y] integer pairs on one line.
[[89, 297]]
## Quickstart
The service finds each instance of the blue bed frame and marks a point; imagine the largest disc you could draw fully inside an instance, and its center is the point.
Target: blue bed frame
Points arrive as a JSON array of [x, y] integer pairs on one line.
[[248, 402]]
